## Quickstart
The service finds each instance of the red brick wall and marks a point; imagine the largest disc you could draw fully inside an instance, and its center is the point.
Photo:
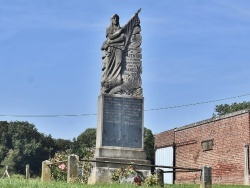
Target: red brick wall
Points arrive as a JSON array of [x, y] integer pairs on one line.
[[164, 139], [229, 134]]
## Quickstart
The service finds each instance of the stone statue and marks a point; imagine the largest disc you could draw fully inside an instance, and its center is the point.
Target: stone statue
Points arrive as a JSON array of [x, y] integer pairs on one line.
[[121, 60]]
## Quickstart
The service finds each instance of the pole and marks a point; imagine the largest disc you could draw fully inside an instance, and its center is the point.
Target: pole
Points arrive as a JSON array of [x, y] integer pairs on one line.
[[27, 171], [246, 164]]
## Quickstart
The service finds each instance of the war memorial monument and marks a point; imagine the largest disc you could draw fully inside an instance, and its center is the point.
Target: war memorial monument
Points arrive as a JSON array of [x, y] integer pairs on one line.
[[120, 119]]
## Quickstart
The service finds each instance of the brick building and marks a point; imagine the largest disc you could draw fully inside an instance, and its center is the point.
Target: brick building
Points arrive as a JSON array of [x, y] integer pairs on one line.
[[220, 142]]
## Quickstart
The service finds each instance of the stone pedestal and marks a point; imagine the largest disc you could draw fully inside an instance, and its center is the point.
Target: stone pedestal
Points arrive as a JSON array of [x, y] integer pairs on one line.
[[119, 136], [46, 171], [72, 173]]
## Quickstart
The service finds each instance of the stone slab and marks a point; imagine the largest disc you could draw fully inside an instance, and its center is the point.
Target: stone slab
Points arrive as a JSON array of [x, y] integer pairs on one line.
[[120, 121], [100, 175], [116, 152], [116, 162]]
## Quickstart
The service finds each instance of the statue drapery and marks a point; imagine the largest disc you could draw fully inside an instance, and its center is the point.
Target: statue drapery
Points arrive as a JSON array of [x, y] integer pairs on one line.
[[121, 70]]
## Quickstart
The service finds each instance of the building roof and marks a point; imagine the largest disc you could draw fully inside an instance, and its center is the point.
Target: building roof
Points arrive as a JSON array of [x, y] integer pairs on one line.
[[213, 119], [216, 118]]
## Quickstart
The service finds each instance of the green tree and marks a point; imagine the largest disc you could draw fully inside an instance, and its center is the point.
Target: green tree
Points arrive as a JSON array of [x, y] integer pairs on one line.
[[12, 160], [85, 142], [149, 144], [22, 144], [5, 142], [48, 144], [62, 144], [223, 109], [88, 138]]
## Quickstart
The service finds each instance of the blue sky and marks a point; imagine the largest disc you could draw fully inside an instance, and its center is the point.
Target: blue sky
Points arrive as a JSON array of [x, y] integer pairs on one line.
[[50, 59]]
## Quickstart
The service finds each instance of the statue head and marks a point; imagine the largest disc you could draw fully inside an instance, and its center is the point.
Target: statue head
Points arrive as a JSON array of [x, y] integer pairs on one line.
[[115, 20]]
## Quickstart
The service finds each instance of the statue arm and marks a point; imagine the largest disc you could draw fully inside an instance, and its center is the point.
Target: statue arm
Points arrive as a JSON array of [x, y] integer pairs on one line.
[[115, 35], [118, 39]]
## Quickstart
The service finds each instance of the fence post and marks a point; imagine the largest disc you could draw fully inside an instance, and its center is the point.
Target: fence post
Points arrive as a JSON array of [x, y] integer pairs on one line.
[[27, 171], [206, 177], [72, 168], [46, 171], [159, 175], [246, 164]]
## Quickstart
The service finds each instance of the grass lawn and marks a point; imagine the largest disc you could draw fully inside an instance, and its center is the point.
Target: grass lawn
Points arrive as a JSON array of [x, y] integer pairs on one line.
[[36, 183]]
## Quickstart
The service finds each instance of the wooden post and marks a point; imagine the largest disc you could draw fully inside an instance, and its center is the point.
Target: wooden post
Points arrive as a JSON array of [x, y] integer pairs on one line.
[[160, 179], [206, 177], [72, 168], [46, 171], [27, 171], [246, 164]]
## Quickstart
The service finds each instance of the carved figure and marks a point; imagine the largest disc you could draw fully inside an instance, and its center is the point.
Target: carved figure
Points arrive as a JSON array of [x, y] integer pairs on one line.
[[119, 41]]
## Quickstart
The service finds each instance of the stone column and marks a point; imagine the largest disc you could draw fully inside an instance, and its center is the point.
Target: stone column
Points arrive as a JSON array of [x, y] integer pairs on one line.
[[46, 171], [206, 177], [72, 168], [246, 164]]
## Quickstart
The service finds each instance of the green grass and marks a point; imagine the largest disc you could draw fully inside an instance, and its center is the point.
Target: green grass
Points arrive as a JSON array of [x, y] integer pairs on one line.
[[19, 182]]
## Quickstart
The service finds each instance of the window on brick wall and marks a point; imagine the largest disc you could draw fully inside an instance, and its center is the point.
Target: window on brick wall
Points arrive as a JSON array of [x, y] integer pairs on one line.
[[207, 145]]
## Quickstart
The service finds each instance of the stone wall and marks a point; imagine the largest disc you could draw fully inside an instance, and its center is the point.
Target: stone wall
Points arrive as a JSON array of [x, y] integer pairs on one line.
[[216, 142]]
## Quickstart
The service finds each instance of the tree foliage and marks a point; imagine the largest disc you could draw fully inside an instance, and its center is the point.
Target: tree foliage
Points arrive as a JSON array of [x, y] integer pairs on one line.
[[62, 144], [87, 138], [85, 143], [22, 144], [223, 109], [149, 144]]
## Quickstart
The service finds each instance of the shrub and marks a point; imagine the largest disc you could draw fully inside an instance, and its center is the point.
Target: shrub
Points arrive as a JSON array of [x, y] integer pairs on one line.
[[59, 171], [86, 168], [127, 175], [123, 173], [151, 181]]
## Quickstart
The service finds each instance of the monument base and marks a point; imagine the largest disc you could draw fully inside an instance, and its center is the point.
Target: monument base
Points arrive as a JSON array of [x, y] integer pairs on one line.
[[112, 158], [102, 172], [119, 138], [101, 175]]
